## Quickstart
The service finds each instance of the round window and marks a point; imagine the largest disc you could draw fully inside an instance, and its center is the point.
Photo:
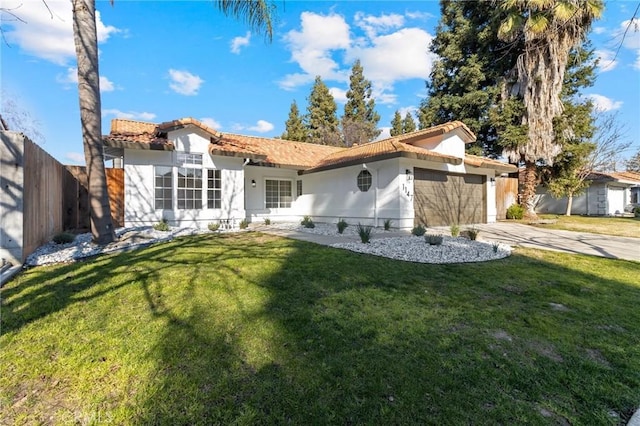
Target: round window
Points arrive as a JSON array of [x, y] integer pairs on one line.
[[364, 180]]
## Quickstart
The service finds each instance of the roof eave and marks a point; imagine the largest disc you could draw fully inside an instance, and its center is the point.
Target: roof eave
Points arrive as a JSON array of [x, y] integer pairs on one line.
[[138, 145]]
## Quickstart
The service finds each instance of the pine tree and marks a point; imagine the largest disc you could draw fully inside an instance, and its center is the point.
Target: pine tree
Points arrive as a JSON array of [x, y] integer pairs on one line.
[[294, 128], [360, 119], [321, 120], [408, 125], [396, 124]]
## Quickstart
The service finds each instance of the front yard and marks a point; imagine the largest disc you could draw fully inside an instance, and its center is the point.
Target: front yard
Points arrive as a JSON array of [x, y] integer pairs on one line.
[[250, 328], [618, 226]]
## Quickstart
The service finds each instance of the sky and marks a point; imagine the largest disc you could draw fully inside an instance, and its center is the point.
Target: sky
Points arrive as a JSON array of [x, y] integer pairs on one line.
[[164, 60]]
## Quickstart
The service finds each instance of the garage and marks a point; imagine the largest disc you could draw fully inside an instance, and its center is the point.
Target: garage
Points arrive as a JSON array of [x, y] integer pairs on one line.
[[443, 199], [615, 199]]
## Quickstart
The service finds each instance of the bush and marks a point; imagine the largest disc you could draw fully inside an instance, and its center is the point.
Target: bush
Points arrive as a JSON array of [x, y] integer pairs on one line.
[[244, 224], [267, 221], [434, 240], [64, 238], [455, 230], [473, 233], [307, 222], [162, 226], [636, 212], [342, 225], [364, 231], [418, 231], [515, 211], [387, 224], [213, 226]]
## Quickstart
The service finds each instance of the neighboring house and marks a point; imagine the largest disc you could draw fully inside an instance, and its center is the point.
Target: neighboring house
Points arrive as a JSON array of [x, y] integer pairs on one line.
[[609, 194], [191, 175]]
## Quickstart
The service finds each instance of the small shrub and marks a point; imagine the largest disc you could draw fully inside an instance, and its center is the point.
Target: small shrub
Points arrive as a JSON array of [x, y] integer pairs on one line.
[[307, 222], [267, 221], [434, 240], [162, 226], [636, 212], [244, 224], [213, 226], [387, 224], [364, 231], [455, 230], [515, 211], [496, 246], [418, 231], [342, 225], [64, 238], [473, 233]]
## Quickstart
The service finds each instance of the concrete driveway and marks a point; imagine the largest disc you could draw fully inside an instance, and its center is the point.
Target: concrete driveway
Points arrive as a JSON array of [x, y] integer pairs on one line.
[[528, 236]]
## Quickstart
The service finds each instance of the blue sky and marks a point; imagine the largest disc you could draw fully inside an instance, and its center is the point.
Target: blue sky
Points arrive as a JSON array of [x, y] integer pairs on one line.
[[163, 60]]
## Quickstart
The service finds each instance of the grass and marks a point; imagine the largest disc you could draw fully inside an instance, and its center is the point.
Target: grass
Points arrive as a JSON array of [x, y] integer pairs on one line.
[[249, 328], [618, 226]]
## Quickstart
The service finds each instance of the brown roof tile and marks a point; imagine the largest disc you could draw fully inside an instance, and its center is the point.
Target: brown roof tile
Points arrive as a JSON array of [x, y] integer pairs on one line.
[[138, 141], [120, 125], [183, 122], [438, 130], [474, 160]]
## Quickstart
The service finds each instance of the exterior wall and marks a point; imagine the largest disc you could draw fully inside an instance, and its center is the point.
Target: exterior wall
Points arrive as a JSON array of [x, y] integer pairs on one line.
[[450, 144], [597, 200], [11, 197], [255, 202]]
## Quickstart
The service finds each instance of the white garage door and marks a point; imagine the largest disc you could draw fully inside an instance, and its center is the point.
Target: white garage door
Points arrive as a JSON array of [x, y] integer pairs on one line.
[[615, 199]]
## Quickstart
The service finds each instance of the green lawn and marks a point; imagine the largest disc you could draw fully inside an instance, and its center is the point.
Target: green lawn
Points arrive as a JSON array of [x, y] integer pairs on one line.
[[619, 226], [256, 329]]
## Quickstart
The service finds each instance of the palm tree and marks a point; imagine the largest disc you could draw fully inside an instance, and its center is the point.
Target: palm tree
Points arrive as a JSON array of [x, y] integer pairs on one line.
[[549, 29], [257, 13]]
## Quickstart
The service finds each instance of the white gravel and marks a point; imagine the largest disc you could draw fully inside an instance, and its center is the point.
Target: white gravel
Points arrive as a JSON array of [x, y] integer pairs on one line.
[[408, 248]]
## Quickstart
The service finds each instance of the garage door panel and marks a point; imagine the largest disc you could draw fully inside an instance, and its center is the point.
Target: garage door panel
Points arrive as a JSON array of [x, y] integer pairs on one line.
[[445, 199]]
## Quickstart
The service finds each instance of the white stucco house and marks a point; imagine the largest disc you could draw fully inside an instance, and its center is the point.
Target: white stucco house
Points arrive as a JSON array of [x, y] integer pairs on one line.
[[191, 175], [609, 194]]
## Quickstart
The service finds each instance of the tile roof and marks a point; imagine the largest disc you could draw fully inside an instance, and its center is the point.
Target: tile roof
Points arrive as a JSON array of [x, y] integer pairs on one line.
[[623, 177], [183, 122], [438, 130], [474, 160], [120, 125], [373, 151], [143, 140]]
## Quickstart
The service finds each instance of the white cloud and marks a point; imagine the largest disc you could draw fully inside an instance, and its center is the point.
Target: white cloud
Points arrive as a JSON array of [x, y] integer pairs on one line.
[[339, 95], [208, 121], [599, 30], [419, 15], [239, 42], [71, 77], [131, 115], [48, 35], [604, 104], [75, 157], [185, 83], [261, 126], [606, 60], [372, 25], [632, 37]]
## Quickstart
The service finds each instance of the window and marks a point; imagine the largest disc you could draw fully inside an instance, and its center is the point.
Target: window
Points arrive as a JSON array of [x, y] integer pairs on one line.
[[194, 159], [163, 188], [277, 194], [189, 188], [214, 192], [364, 180], [298, 188]]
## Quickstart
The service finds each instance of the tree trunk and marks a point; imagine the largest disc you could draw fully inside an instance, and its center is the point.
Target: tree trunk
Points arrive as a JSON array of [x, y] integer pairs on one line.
[[529, 189], [569, 204], [86, 43]]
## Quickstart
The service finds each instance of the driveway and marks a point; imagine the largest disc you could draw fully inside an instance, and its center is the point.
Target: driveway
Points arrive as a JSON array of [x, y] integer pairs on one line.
[[528, 236]]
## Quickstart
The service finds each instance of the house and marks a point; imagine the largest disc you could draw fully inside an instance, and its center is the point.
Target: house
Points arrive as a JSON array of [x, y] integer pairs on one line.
[[190, 175], [609, 194]]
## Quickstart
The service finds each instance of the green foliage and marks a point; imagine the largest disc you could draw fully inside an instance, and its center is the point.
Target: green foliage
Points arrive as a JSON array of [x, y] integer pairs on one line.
[[396, 124], [342, 225], [64, 238], [244, 224], [267, 221], [636, 212], [321, 120], [294, 127], [434, 240], [408, 125], [387, 224], [495, 247], [473, 233], [360, 119], [455, 230], [364, 232], [418, 230], [213, 226], [515, 211], [163, 225], [307, 222]]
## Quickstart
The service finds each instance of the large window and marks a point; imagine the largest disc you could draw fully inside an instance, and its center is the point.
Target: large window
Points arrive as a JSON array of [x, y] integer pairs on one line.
[[278, 194], [214, 189], [184, 158], [163, 188], [189, 188]]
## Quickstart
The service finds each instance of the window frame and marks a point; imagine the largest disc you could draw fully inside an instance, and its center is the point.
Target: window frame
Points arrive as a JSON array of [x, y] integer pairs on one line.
[[164, 200], [279, 202], [364, 180], [214, 193]]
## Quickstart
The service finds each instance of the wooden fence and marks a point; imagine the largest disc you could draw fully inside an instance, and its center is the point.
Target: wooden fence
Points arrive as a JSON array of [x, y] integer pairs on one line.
[[506, 195]]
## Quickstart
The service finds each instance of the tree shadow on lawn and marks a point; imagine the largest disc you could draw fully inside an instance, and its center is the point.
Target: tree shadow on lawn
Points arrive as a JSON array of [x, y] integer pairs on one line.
[[260, 329], [342, 338]]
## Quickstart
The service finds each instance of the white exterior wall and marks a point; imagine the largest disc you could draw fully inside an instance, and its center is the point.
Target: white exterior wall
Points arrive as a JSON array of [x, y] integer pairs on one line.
[[598, 200], [255, 201], [450, 144]]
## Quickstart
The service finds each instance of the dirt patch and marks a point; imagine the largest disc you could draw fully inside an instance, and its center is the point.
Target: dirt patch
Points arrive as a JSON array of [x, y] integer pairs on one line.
[[597, 357]]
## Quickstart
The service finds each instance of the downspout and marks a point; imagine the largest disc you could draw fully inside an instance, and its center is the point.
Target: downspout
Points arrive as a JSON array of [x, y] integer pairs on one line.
[[375, 201]]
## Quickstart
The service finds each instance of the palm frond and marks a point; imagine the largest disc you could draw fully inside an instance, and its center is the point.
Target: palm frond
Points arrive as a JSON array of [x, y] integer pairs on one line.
[[258, 14]]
